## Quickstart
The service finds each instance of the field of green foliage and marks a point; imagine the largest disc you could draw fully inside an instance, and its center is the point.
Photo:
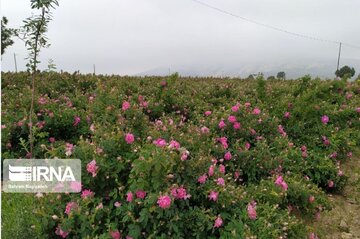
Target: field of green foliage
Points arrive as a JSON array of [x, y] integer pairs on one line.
[[174, 157]]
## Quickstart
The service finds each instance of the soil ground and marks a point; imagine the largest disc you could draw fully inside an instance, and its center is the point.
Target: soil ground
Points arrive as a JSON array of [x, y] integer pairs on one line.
[[343, 221]]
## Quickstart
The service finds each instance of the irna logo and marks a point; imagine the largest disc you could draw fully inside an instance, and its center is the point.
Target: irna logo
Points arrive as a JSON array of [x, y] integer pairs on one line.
[[40, 173]]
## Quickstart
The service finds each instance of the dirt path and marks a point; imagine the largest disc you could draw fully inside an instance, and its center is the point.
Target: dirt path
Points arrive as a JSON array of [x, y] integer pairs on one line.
[[343, 221]]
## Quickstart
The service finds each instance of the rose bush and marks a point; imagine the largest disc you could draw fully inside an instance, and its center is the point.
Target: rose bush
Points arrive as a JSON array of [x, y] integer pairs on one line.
[[185, 158]]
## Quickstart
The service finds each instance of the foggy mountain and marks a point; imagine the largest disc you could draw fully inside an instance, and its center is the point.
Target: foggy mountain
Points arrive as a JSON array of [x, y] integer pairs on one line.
[[294, 69]]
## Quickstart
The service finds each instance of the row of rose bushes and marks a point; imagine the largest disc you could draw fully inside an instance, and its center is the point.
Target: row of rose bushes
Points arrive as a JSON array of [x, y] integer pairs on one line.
[[186, 158]]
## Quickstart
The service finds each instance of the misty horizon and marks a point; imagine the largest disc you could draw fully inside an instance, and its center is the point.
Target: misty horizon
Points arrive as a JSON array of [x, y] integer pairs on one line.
[[157, 37]]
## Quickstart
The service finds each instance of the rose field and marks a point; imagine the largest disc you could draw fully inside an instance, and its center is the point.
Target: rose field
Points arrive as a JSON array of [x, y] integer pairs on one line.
[[177, 157]]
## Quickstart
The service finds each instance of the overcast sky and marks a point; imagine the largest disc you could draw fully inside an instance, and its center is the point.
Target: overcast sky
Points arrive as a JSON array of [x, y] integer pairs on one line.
[[135, 36]]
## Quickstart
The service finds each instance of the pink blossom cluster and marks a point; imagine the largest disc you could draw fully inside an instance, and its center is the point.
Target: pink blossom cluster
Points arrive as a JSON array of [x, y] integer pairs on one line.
[[222, 124], [77, 121], [287, 115], [60, 232], [140, 194], [280, 182], [324, 119], [184, 155], [91, 167], [160, 142], [205, 130], [142, 102], [87, 193], [69, 148], [70, 206], [325, 140], [256, 111], [207, 113], [227, 156], [251, 210], [202, 179], [42, 100], [304, 153], [76, 186], [213, 196], [129, 197], [223, 142], [164, 201], [129, 138], [281, 130], [236, 107], [40, 124], [115, 234], [220, 182], [211, 170], [180, 193], [125, 105], [174, 144], [218, 222]]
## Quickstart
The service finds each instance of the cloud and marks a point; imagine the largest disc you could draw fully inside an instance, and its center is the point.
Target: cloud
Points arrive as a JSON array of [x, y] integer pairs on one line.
[[132, 36]]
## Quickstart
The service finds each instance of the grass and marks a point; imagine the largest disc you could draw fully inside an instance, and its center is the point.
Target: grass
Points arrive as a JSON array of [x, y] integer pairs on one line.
[[18, 220]]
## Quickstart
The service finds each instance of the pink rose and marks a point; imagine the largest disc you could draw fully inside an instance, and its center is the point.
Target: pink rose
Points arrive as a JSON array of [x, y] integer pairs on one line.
[[218, 222], [232, 119], [180, 193], [311, 199], [220, 181], [160, 142], [205, 130], [313, 236], [115, 234], [251, 210], [129, 197], [227, 156], [61, 232], [222, 124], [75, 186], [140, 194], [125, 105], [330, 184], [70, 206], [235, 108], [174, 144], [92, 168], [211, 170], [236, 125], [164, 202], [77, 121], [213, 196], [129, 138], [202, 179], [256, 111], [324, 119], [223, 141], [69, 148], [86, 194], [184, 155], [222, 168], [280, 182]]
